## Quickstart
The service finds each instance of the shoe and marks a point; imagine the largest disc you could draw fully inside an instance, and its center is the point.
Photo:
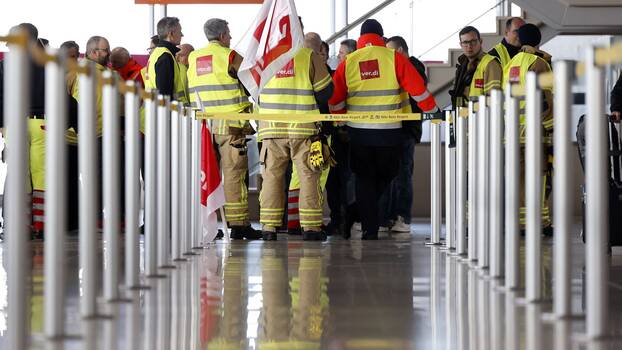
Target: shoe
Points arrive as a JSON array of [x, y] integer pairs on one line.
[[357, 226], [367, 236], [220, 234], [548, 231], [242, 232], [269, 236], [38, 235], [400, 225], [294, 231], [314, 236]]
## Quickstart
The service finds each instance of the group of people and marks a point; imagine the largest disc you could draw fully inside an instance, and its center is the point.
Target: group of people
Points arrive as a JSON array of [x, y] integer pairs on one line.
[[375, 74]]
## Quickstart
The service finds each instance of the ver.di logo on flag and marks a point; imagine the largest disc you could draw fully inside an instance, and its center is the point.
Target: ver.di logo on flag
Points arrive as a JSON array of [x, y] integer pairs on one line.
[[369, 69]]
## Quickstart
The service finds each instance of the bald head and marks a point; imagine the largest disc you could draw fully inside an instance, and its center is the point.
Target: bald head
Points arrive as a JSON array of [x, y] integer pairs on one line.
[[313, 42], [184, 51], [119, 57]]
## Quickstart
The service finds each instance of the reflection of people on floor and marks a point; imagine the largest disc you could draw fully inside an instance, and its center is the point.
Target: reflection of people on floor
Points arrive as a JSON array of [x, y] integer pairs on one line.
[[274, 323], [36, 307], [309, 301]]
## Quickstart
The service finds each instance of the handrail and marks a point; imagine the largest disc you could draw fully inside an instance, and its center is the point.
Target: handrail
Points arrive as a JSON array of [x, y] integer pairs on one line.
[[358, 21], [458, 31]]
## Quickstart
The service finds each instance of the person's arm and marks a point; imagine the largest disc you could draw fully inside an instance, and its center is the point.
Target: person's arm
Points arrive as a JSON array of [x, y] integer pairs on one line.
[[165, 75], [493, 74], [616, 100], [411, 81], [321, 79], [541, 66], [235, 61], [337, 103]]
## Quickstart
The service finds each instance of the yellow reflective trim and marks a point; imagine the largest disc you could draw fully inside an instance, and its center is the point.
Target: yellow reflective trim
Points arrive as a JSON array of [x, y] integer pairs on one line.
[[322, 83]]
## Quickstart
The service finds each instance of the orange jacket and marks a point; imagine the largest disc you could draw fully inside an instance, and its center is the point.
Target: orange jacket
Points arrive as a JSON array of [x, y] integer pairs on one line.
[[131, 71]]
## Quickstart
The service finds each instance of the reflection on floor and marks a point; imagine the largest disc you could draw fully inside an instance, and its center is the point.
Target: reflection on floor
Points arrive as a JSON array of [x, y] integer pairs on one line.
[[391, 294]]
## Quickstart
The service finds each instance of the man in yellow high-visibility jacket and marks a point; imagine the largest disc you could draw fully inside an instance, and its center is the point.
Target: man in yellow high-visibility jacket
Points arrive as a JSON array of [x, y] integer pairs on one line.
[[510, 45], [530, 58], [214, 87]]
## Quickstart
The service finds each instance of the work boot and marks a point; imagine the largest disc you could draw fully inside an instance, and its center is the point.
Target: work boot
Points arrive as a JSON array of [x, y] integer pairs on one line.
[[241, 232], [220, 234], [294, 231], [313, 236], [269, 235]]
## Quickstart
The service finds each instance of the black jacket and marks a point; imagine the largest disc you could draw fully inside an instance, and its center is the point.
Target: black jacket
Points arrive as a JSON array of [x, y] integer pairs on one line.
[[512, 50], [165, 70], [616, 96], [413, 127]]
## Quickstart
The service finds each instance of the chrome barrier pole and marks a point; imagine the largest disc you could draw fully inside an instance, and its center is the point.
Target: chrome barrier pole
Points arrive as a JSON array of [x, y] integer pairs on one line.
[[88, 159], [111, 189], [186, 137], [495, 213], [151, 243], [164, 182], [483, 157], [563, 188], [461, 185], [16, 87], [472, 183], [436, 211], [196, 184], [512, 190], [132, 186], [176, 240], [55, 198], [597, 208], [450, 182], [533, 189]]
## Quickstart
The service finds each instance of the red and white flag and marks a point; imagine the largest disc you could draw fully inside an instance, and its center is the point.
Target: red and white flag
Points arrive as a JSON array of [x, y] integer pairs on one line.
[[271, 42], [212, 188]]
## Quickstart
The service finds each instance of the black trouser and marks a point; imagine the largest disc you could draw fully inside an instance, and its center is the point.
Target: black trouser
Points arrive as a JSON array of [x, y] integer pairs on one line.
[[73, 188], [375, 167], [338, 177]]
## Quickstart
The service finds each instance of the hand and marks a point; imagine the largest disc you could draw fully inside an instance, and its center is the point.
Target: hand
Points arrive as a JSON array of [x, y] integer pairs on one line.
[[615, 116]]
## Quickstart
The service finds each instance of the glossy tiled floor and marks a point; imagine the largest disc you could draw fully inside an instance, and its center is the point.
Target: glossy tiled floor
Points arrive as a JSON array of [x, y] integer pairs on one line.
[[391, 294]]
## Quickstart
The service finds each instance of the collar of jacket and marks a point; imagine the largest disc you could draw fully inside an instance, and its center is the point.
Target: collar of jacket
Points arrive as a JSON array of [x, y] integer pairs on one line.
[[534, 51], [472, 63], [370, 40], [170, 46], [98, 66], [512, 50]]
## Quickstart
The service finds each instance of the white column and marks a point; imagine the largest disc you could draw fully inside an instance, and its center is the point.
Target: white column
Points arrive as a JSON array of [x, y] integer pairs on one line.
[[512, 192], [132, 186]]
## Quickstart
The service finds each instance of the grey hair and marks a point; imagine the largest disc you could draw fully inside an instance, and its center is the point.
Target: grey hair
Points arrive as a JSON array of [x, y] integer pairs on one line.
[[213, 27], [166, 25], [70, 45], [93, 42], [350, 44]]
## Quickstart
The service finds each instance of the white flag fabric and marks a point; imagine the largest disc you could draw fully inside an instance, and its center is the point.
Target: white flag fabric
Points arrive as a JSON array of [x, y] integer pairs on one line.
[[272, 41]]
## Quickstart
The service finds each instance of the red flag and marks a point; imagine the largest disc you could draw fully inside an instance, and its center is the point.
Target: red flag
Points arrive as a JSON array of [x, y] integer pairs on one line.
[[212, 189], [276, 36]]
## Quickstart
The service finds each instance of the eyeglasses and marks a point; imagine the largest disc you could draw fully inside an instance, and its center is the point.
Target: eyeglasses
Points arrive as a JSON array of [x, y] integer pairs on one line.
[[469, 42]]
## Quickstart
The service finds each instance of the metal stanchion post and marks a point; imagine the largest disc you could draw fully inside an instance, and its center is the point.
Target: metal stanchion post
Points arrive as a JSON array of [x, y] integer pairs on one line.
[[436, 211], [55, 199], [472, 183], [450, 182], [176, 240], [186, 137], [87, 158], [483, 183], [164, 182], [151, 242], [196, 184], [597, 208], [512, 174], [533, 189], [16, 87], [563, 188], [111, 189], [495, 213], [132, 187], [461, 185]]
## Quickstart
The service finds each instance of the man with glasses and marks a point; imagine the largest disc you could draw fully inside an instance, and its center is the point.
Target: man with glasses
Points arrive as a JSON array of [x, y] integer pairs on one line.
[[477, 72], [510, 45]]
